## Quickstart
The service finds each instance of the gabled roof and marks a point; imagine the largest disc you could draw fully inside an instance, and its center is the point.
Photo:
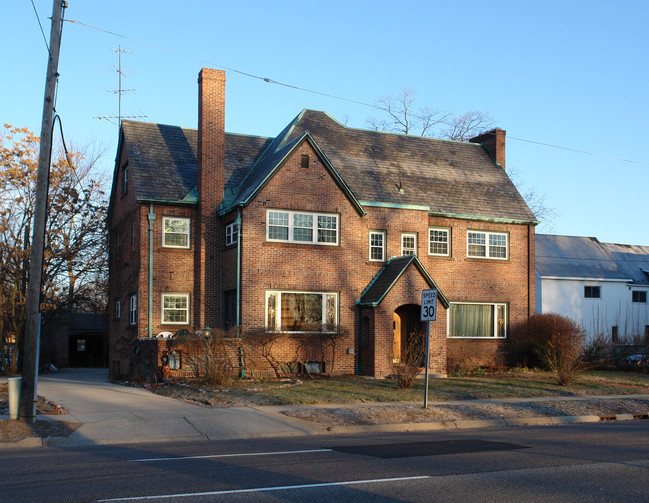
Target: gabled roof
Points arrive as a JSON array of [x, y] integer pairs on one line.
[[448, 177], [389, 275], [444, 177], [272, 160], [587, 258]]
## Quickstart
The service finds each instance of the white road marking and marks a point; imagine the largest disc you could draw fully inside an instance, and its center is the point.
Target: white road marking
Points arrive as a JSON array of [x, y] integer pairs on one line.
[[208, 456], [264, 489]]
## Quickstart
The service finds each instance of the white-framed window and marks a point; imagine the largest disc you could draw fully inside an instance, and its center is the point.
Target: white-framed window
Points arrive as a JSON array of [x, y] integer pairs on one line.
[[231, 234], [302, 227], [483, 244], [377, 246], [175, 308], [477, 320], [175, 232], [439, 241], [639, 296], [118, 309], [125, 177], [300, 311], [408, 243], [132, 310], [593, 292]]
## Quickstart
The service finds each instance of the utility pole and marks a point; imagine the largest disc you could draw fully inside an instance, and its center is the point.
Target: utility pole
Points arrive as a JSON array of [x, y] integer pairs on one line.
[[28, 392]]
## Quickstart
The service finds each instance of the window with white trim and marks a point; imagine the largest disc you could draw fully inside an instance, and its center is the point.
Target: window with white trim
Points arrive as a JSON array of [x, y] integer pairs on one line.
[[439, 241], [132, 310], [175, 308], [175, 232], [125, 180], [302, 227], [231, 234], [118, 309], [492, 245], [477, 320], [639, 296], [408, 243], [377, 246], [291, 311]]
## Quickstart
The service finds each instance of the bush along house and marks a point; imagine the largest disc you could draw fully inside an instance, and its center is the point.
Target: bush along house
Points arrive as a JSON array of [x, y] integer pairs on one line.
[[315, 245]]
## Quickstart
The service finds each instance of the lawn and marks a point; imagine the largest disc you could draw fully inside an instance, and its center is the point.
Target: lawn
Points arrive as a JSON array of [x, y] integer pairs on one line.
[[355, 389]]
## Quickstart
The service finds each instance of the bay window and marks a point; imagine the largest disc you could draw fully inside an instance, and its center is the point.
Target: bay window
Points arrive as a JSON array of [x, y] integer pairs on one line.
[[289, 311]]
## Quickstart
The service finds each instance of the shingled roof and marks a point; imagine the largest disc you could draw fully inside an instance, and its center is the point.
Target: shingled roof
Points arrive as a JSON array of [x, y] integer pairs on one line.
[[588, 258], [446, 177], [163, 163], [388, 276]]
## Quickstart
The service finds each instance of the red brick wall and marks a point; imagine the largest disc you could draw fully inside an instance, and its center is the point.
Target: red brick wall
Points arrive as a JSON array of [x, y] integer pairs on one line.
[[347, 270], [407, 291], [124, 269], [344, 269], [211, 172]]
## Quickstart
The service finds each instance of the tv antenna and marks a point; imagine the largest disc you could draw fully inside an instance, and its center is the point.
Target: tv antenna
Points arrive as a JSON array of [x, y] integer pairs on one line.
[[119, 92]]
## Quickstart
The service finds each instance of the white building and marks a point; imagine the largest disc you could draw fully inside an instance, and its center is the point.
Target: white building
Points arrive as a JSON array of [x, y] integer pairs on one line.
[[604, 286]]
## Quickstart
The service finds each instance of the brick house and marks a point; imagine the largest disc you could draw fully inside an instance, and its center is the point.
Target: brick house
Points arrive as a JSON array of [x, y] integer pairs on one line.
[[320, 230]]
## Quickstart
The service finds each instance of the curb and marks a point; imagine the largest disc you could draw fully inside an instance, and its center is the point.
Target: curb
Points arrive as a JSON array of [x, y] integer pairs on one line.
[[481, 423], [24, 443], [32, 442]]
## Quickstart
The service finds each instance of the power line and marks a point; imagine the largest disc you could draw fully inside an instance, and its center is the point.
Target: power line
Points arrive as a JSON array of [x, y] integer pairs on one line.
[[39, 24], [333, 96], [578, 151]]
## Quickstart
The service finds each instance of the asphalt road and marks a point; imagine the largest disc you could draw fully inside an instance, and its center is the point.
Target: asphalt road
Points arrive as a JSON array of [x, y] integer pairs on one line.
[[573, 463]]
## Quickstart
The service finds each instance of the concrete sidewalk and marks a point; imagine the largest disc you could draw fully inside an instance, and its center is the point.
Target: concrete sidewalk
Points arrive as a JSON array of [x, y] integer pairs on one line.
[[115, 414], [111, 413]]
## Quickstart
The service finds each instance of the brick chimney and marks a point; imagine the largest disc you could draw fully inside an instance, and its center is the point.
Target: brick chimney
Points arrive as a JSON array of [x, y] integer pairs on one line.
[[494, 142], [210, 185]]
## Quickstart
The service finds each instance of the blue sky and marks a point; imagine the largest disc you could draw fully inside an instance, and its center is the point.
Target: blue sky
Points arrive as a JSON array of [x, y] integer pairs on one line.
[[569, 74]]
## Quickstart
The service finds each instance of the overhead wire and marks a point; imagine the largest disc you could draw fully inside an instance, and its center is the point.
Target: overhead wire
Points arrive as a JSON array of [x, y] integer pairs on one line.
[[328, 95], [40, 24]]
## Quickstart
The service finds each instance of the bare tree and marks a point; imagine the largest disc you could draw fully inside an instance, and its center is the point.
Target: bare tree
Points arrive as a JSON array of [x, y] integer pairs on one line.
[[75, 244], [535, 200], [402, 117], [426, 121]]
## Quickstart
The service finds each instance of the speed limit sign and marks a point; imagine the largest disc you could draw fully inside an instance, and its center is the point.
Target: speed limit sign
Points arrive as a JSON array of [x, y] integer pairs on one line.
[[428, 305]]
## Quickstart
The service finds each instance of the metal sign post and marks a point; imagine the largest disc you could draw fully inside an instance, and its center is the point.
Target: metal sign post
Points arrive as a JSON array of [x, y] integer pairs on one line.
[[428, 314]]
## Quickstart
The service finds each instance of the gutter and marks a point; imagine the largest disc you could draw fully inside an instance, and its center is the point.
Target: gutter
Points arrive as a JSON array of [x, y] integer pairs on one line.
[[151, 217]]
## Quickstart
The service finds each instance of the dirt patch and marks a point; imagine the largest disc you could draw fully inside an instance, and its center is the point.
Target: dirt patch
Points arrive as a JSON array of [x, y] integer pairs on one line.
[[398, 414], [12, 430]]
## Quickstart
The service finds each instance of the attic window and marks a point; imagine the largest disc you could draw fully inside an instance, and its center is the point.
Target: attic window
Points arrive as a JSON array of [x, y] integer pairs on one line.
[[304, 162], [125, 179]]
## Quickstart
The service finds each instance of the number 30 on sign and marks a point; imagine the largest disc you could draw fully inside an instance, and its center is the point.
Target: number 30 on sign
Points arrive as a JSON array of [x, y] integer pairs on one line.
[[428, 305]]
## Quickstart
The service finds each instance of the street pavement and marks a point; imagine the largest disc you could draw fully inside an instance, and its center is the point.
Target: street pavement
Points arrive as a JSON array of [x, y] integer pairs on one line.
[[111, 413]]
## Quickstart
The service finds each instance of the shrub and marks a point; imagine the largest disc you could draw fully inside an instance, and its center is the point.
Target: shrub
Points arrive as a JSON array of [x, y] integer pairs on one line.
[[552, 342], [210, 358], [406, 371]]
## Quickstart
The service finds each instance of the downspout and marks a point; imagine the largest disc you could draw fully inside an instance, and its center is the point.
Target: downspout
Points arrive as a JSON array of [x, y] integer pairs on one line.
[[238, 222], [151, 217], [531, 269], [242, 361]]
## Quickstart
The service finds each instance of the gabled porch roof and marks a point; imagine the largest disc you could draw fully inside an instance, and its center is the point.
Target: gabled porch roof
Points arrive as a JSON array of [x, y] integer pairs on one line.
[[389, 275]]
